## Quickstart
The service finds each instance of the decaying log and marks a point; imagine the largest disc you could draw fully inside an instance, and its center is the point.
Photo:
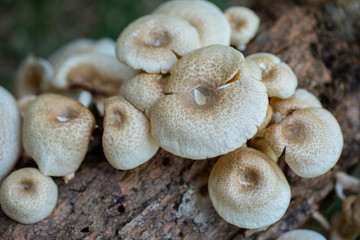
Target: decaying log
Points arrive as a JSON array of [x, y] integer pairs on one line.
[[167, 197]]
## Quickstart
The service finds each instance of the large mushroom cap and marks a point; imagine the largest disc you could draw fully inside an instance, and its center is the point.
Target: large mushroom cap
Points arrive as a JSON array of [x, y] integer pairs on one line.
[[56, 133], [205, 16], [248, 189], [209, 108], [301, 234], [27, 196], [153, 43], [127, 141], [312, 138], [10, 129]]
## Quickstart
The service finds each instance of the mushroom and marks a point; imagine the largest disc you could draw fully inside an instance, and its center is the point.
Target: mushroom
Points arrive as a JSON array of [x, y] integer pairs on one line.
[[56, 133], [248, 189], [144, 90], [244, 25], [209, 107], [346, 182], [351, 211], [312, 138], [279, 79], [127, 141], [27, 196], [10, 127], [301, 234], [153, 43], [206, 17]]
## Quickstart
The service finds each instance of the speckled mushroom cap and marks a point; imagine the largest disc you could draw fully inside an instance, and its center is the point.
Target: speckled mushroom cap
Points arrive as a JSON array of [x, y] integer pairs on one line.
[[209, 108], [27, 196], [301, 234], [10, 129], [97, 73], [301, 99], [244, 25], [144, 90], [267, 119], [312, 138], [206, 17], [279, 79], [127, 141], [248, 189], [153, 43], [32, 77], [56, 133]]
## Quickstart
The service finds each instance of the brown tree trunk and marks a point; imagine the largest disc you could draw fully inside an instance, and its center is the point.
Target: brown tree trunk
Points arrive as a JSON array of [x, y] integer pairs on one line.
[[167, 197]]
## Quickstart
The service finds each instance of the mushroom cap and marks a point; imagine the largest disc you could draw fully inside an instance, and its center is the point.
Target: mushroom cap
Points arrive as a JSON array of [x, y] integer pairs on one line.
[[56, 133], [268, 117], [10, 129], [27, 196], [300, 234], [96, 73], [248, 189], [301, 99], [279, 79], [244, 25], [127, 141], [144, 90], [312, 138], [153, 43], [209, 107], [206, 17]]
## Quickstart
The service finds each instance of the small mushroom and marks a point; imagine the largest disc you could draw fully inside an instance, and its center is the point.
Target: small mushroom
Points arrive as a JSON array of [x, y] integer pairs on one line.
[[144, 90], [154, 43], [301, 234], [56, 133], [351, 211], [27, 196], [248, 189], [346, 182], [10, 129], [127, 141], [244, 25], [313, 141], [209, 107], [279, 79], [206, 17]]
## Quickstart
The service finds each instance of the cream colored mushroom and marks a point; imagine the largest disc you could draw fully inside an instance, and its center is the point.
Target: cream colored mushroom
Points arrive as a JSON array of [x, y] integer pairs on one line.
[[301, 99], [127, 141], [10, 129], [248, 189], [56, 133], [279, 79], [351, 211], [244, 25], [153, 43], [27, 196], [209, 107], [346, 182], [206, 17], [301, 234], [144, 90], [312, 138], [268, 117]]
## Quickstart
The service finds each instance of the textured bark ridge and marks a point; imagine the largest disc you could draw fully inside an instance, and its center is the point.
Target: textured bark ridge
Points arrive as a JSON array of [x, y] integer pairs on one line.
[[167, 197]]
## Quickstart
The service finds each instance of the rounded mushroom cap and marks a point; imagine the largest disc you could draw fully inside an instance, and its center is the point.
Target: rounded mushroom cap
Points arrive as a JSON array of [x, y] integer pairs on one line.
[[27, 196], [301, 234], [206, 17], [279, 79], [209, 107], [244, 25], [301, 99], [56, 133], [268, 117], [10, 128], [127, 141], [312, 138], [144, 90], [153, 43], [248, 189]]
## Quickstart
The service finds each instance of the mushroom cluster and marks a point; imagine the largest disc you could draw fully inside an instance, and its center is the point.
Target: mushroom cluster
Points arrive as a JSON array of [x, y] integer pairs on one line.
[[172, 80]]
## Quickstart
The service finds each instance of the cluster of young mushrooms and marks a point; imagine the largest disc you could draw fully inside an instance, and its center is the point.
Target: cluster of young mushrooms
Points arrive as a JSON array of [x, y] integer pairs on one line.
[[174, 82]]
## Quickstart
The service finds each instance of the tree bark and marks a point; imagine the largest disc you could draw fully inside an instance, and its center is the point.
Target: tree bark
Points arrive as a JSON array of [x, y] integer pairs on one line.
[[167, 197]]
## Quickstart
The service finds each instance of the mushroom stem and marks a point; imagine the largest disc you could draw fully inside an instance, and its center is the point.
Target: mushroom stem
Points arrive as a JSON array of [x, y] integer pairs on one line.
[[321, 220], [68, 177], [346, 182]]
